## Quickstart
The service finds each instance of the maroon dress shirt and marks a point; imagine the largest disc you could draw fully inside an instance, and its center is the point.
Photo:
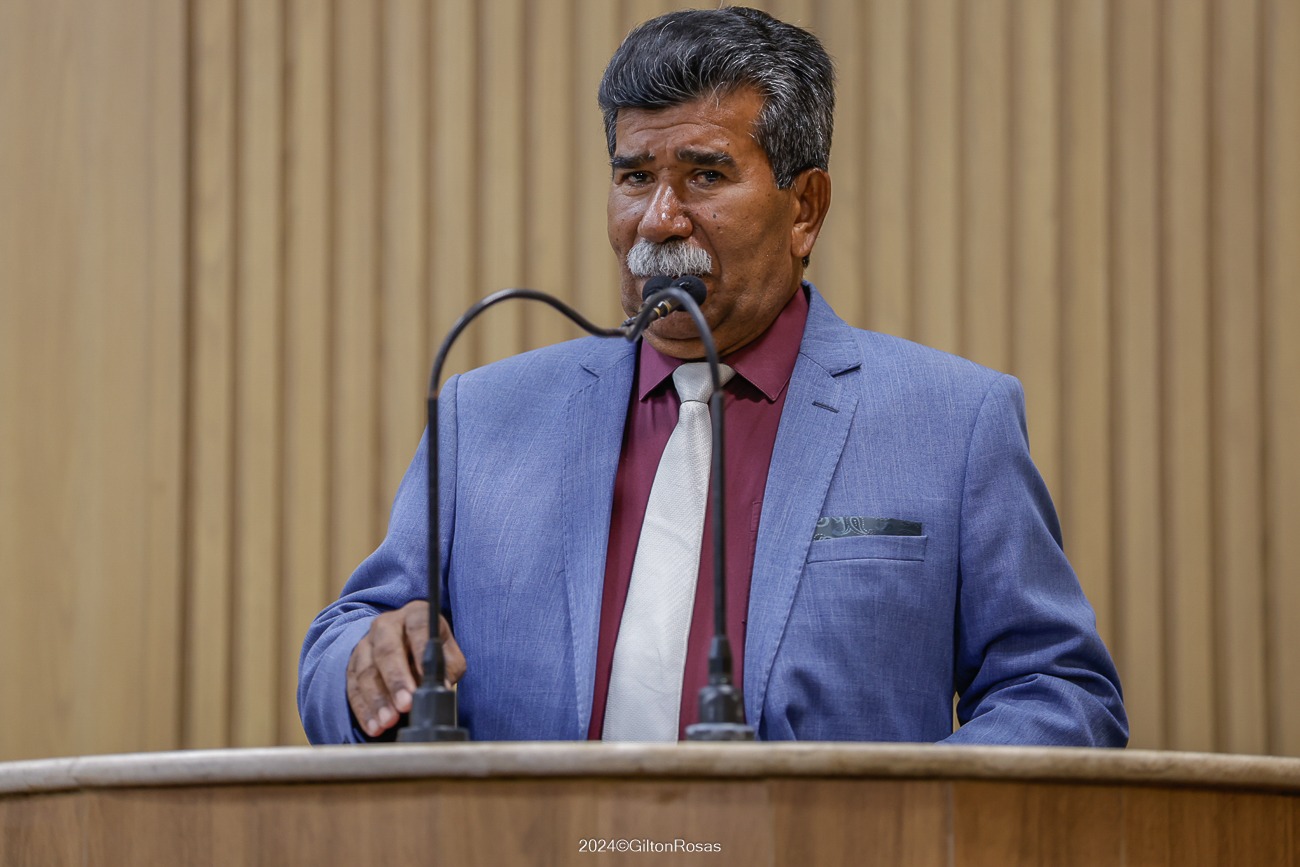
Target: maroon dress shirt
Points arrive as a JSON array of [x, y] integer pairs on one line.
[[753, 401]]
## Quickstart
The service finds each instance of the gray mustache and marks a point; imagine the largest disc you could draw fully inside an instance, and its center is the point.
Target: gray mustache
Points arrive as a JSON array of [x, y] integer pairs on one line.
[[671, 258]]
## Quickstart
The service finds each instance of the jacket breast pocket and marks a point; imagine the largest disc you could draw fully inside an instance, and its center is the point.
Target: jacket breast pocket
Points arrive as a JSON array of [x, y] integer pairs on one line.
[[868, 548]]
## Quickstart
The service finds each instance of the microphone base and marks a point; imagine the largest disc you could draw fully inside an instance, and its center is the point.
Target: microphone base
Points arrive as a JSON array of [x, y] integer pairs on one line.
[[433, 718], [719, 732], [432, 735], [722, 715]]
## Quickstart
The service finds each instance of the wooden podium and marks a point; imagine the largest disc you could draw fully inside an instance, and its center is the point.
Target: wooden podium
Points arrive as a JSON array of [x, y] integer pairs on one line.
[[591, 803]]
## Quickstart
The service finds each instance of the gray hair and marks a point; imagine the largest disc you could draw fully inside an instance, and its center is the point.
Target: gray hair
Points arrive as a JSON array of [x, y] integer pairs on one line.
[[682, 56]]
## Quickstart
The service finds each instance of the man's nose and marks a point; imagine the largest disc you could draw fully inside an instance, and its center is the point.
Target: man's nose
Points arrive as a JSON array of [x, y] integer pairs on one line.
[[665, 219]]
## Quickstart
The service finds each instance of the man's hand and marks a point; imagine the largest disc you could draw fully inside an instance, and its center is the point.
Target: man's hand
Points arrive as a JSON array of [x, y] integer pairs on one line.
[[388, 664]]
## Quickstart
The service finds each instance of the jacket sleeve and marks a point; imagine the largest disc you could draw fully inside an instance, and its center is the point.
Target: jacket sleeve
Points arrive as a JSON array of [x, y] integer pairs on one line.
[[395, 574], [1030, 667]]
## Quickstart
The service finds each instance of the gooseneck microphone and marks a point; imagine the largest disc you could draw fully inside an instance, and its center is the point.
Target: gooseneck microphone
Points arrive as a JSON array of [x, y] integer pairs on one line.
[[433, 716], [433, 707], [693, 286]]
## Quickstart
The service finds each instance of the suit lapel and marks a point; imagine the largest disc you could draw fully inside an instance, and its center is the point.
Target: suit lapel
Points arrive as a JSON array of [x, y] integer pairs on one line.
[[814, 427], [597, 411]]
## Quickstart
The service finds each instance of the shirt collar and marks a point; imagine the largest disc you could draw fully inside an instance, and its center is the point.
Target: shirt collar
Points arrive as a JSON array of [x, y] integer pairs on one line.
[[766, 363]]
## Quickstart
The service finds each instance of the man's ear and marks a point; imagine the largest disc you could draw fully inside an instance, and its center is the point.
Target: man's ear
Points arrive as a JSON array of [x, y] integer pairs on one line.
[[812, 199]]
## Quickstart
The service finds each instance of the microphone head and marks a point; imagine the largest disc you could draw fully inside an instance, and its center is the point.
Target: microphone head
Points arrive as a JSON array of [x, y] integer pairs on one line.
[[657, 283], [692, 286]]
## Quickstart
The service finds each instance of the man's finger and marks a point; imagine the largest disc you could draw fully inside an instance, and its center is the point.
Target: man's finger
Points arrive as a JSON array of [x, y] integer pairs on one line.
[[392, 659], [367, 695], [451, 653], [416, 623]]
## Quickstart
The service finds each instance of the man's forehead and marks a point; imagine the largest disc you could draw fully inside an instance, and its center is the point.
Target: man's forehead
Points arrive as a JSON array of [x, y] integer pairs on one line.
[[706, 131]]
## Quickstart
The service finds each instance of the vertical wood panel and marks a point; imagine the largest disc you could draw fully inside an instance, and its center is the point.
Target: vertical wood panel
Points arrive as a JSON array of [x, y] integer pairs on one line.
[[1084, 285], [1192, 827], [900, 823], [836, 263], [1249, 826], [92, 321], [888, 150], [257, 373], [454, 195], [597, 33], [1146, 827], [40, 830], [1282, 399], [1035, 313], [633, 12], [354, 500], [404, 351], [1185, 306], [798, 12], [91, 256], [935, 185], [636, 11], [986, 158], [1036, 303], [307, 583], [209, 624], [117, 250], [1053, 824], [1135, 250], [500, 242], [22, 40], [549, 167], [158, 725], [1238, 480]]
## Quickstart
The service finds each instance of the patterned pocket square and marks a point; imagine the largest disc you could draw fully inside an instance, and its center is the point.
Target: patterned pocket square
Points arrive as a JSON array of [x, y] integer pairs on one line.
[[857, 525]]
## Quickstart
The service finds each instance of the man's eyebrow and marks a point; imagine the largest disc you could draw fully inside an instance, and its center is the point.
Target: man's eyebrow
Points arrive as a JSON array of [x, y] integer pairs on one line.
[[630, 161], [685, 155], [706, 158]]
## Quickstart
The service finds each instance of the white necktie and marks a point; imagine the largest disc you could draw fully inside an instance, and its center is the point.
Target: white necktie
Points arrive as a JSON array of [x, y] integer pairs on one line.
[[645, 683]]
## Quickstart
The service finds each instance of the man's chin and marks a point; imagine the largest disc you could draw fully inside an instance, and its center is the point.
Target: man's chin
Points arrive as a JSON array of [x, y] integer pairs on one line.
[[676, 336], [675, 326]]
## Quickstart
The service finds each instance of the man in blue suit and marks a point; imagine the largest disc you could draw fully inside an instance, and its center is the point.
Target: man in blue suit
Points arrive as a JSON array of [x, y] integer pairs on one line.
[[901, 548]]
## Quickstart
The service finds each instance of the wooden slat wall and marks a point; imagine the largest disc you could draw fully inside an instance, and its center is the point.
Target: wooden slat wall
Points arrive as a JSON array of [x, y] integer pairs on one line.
[[1281, 273], [93, 312], [233, 231], [1185, 356], [258, 394]]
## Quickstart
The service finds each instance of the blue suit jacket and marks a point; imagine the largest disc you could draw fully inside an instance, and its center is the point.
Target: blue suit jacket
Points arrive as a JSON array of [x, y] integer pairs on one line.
[[857, 638]]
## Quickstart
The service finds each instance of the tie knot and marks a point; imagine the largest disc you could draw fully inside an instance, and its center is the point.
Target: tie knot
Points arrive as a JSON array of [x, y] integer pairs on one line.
[[693, 381]]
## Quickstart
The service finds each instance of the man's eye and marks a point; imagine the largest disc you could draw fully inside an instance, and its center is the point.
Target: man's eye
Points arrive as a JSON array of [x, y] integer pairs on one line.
[[635, 178], [709, 176]]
